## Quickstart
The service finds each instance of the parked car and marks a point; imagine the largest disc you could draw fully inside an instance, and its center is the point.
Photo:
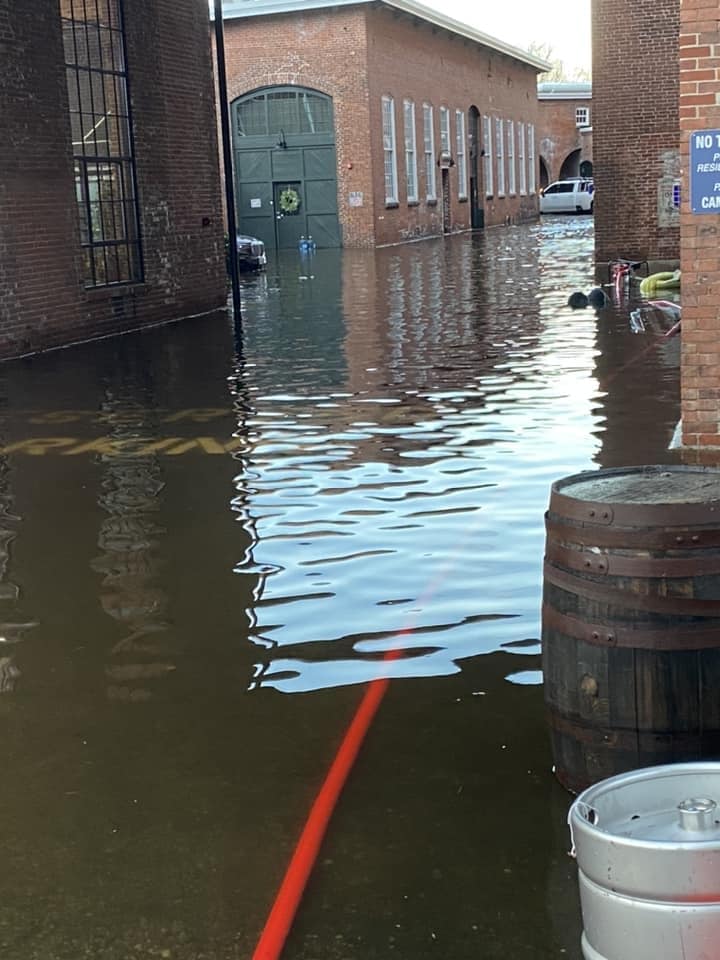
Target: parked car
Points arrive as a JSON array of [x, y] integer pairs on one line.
[[568, 196], [250, 253]]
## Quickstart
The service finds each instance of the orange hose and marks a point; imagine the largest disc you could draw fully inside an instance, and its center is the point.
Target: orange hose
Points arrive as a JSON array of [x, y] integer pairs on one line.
[[276, 929]]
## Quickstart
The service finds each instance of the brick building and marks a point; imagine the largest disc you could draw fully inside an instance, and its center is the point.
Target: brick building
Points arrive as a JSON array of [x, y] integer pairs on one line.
[[635, 126], [564, 130], [365, 123], [699, 229], [110, 209]]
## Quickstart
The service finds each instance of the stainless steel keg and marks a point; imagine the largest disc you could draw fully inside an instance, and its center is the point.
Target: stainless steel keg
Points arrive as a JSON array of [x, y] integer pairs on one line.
[[648, 850]]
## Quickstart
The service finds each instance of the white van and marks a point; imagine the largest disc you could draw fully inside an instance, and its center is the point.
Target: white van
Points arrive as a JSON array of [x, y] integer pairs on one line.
[[568, 196]]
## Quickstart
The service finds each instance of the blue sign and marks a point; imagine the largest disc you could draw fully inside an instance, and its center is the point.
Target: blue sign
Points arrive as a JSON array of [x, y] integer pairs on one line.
[[705, 171]]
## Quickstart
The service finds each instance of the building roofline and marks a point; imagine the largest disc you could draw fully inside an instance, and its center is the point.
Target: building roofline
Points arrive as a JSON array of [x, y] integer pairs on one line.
[[241, 9], [565, 90]]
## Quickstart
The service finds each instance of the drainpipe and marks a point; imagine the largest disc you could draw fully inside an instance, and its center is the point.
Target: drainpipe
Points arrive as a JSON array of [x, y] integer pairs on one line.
[[227, 163]]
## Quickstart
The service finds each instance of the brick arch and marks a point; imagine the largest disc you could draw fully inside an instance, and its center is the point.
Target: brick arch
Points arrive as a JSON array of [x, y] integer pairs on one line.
[[570, 166], [254, 80], [544, 171], [271, 82]]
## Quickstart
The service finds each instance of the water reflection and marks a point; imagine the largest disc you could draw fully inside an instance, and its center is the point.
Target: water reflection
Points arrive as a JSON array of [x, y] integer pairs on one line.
[[399, 416], [128, 538], [395, 496], [12, 626]]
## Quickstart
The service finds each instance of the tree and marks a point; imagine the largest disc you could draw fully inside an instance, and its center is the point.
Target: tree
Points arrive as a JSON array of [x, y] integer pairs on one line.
[[557, 71]]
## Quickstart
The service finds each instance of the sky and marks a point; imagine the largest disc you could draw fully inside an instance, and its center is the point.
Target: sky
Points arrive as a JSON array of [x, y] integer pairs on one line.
[[566, 27]]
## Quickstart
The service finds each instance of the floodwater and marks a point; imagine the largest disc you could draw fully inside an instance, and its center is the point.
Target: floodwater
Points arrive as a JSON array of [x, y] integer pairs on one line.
[[211, 545]]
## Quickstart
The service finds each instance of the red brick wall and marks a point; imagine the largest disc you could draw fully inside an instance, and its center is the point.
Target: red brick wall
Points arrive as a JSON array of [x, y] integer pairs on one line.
[[635, 127], [357, 54], [326, 51], [559, 135], [43, 301], [411, 59], [700, 256]]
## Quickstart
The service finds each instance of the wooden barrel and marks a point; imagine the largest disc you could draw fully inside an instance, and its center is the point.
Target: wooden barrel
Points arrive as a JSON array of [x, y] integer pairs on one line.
[[631, 620]]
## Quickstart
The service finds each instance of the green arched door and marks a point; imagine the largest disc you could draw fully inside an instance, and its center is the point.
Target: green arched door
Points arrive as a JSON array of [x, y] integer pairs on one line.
[[285, 166]]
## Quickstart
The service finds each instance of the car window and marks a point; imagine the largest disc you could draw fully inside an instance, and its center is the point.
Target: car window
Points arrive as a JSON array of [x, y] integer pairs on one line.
[[552, 189], [565, 187]]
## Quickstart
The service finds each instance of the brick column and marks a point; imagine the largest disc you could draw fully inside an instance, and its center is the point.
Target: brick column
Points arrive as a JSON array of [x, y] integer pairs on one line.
[[699, 234]]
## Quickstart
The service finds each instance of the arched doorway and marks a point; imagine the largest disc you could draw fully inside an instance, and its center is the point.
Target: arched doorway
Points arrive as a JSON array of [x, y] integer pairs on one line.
[[571, 166], [285, 166], [544, 174], [477, 213]]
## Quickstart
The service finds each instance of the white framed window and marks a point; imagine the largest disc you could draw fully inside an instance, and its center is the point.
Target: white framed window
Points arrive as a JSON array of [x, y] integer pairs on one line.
[[500, 156], [410, 151], [521, 159], [429, 150], [390, 150], [488, 158], [531, 157], [512, 186], [582, 116], [444, 130], [461, 154]]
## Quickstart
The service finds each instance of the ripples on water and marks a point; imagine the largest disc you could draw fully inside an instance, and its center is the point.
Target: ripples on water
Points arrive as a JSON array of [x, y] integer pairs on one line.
[[407, 412], [399, 418]]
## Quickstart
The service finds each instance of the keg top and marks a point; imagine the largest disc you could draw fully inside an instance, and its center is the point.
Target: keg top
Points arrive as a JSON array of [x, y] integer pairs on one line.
[[671, 804], [646, 485]]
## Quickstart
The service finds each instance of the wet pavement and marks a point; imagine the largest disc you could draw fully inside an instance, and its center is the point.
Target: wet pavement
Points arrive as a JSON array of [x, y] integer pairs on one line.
[[210, 545]]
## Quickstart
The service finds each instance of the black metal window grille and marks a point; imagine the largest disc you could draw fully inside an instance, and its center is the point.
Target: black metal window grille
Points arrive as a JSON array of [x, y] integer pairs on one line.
[[105, 177]]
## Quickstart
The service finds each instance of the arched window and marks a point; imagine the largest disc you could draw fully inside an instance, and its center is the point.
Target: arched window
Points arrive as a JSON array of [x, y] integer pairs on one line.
[[287, 110]]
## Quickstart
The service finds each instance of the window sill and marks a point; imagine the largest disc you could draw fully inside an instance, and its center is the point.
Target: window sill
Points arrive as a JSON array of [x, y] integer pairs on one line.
[[413, 203], [431, 202], [117, 289], [462, 199], [391, 204]]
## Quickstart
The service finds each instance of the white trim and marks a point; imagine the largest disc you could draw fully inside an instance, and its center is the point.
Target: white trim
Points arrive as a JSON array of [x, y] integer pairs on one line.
[[500, 156], [521, 159], [389, 150], [429, 152], [411, 173], [461, 154], [512, 176], [488, 158], [531, 158], [445, 130]]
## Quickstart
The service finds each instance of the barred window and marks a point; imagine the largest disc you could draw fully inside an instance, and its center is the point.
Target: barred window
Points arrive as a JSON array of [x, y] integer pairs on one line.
[[582, 116], [429, 148], [410, 151], [460, 154], [105, 177], [389, 147]]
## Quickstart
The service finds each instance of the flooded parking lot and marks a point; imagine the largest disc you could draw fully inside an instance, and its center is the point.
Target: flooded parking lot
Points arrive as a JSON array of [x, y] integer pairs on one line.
[[210, 545]]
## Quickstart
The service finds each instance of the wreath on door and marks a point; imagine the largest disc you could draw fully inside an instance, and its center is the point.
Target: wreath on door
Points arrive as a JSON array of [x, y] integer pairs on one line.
[[289, 200]]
